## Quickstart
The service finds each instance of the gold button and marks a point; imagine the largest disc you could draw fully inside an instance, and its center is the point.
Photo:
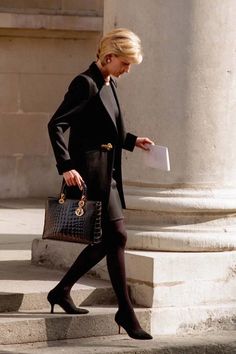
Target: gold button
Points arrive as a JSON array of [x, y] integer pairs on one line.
[[107, 147]]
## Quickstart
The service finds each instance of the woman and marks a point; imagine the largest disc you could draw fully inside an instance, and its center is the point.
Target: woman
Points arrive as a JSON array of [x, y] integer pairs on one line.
[[91, 110]]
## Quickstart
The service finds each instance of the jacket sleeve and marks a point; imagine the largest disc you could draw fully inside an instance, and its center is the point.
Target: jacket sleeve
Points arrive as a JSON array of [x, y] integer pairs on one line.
[[129, 142], [78, 95]]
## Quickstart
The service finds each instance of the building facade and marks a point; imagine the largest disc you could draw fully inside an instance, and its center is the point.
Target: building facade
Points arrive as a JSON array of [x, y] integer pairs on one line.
[[181, 256]]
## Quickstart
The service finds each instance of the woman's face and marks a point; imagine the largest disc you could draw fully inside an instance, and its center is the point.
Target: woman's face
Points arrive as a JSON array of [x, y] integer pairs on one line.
[[118, 66]]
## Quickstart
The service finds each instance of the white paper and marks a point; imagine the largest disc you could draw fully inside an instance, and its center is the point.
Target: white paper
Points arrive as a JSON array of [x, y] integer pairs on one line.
[[157, 157]]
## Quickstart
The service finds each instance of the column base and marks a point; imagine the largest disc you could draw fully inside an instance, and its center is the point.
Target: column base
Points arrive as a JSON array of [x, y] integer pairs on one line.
[[181, 220]]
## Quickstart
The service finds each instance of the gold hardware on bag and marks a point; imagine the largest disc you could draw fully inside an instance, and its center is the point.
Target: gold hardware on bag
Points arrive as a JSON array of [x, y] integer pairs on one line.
[[107, 147], [81, 203], [80, 211], [62, 199]]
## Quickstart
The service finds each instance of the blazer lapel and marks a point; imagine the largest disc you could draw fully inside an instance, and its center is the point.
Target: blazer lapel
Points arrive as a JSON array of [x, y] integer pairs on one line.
[[96, 75], [119, 122], [113, 86], [107, 104]]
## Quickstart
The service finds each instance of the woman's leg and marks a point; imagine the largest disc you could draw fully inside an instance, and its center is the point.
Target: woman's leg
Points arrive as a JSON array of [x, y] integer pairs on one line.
[[60, 295], [116, 237], [87, 259]]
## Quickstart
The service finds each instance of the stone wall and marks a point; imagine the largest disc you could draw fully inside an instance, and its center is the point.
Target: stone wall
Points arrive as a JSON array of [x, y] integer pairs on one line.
[[43, 45], [87, 7]]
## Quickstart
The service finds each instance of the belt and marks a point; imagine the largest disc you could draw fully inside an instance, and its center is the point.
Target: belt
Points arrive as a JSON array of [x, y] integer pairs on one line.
[[86, 146]]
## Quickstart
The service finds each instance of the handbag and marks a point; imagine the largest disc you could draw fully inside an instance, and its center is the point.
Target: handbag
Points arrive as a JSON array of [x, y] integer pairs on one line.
[[73, 220]]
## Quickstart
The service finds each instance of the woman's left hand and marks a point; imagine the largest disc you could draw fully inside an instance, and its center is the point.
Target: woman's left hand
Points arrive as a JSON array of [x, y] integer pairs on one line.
[[141, 143]]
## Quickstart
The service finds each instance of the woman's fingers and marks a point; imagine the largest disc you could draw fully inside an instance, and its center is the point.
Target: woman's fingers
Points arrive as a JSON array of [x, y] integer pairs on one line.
[[143, 142], [78, 180], [73, 178]]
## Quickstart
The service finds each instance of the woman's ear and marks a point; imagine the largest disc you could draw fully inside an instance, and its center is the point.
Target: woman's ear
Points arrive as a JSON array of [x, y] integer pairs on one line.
[[108, 58]]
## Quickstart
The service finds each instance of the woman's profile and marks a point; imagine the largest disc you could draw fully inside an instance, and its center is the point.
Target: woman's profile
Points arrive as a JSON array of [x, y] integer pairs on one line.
[[91, 111]]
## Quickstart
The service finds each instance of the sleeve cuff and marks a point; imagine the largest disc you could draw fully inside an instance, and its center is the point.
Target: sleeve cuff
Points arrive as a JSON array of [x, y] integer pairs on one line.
[[130, 140], [65, 166]]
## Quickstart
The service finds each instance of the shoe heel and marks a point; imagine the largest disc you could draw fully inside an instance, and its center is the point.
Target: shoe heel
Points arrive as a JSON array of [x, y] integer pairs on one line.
[[119, 329], [135, 333], [52, 307]]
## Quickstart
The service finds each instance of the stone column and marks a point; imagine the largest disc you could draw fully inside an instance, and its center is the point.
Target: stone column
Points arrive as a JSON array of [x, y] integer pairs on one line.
[[182, 96]]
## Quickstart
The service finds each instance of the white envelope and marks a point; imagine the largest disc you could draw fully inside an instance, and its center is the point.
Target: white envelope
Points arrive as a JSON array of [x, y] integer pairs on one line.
[[157, 157]]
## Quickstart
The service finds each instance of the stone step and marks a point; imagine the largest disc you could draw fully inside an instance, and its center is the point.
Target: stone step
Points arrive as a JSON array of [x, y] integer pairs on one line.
[[191, 290], [40, 326], [25, 287], [210, 343], [159, 279], [35, 301]]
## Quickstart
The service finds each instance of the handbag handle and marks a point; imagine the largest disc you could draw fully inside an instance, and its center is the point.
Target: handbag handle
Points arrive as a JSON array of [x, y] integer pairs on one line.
[[62, 197]]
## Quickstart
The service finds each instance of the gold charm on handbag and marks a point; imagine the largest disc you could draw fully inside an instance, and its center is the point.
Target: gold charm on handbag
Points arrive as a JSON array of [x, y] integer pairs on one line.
[[80, 211], [62, 199]]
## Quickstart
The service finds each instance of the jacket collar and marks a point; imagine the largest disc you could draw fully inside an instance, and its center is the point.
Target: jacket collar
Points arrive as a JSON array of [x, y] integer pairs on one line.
[[98, 77]]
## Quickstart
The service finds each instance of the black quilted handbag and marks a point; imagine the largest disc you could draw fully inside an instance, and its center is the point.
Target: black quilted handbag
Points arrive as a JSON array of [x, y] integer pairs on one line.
[[73, 220]]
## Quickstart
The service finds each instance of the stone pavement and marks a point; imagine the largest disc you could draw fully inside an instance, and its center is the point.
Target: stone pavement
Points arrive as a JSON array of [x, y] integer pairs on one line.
[[21, 221], [222, 343], [23, 293]]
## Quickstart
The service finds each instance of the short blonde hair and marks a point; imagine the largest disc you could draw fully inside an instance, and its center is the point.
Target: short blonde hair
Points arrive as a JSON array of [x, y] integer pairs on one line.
[[122, 43]]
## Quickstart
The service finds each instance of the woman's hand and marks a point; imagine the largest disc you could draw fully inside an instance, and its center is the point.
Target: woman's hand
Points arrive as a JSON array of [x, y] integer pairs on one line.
[[140, 142], [73, 178]]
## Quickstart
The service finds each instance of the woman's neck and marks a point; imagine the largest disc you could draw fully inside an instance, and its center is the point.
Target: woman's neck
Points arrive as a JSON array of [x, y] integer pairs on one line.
[[104, 72]]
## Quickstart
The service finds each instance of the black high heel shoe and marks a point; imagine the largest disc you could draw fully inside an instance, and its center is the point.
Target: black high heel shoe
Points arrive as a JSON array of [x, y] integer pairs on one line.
[[65, 301], [136, 333]]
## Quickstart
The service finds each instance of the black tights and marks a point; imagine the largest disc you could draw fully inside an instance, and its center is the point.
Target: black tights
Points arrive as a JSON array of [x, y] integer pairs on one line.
[[112, 246]]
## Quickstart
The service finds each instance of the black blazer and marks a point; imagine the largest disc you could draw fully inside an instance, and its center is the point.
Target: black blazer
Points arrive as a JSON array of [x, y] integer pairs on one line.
[[92, 123]]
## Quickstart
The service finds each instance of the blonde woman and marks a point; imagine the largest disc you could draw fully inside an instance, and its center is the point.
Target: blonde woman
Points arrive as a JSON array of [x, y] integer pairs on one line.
[[93, 155]]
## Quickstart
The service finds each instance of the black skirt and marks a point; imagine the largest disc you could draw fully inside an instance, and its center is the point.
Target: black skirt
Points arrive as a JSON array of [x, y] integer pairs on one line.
[[114, 211]]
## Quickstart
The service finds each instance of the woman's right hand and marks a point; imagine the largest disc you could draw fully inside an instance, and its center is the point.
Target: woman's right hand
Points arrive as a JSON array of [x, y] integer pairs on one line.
[[73, 178]]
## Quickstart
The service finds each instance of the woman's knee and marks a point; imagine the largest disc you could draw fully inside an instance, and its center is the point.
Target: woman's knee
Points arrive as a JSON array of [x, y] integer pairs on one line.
[[120, 238], [117, 236]]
